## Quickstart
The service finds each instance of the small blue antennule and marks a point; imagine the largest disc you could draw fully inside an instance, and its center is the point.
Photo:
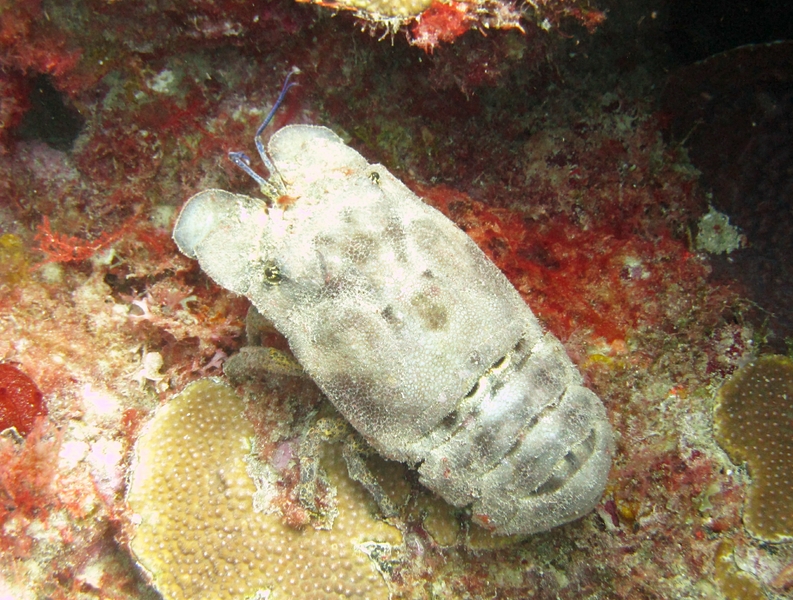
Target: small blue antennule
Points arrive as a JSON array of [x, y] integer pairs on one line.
[[286, 87], [273, 187]]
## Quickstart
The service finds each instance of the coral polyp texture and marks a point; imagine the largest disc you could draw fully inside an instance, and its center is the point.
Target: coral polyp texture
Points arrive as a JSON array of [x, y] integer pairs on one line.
[[754, 423], [196, 533], [733, 582]]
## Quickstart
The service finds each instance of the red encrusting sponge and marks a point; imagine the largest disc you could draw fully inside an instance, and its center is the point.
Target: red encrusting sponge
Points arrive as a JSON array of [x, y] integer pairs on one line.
[[20, 400]]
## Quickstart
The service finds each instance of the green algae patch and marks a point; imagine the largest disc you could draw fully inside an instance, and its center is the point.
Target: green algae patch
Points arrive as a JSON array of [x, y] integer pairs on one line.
[[754, 423]]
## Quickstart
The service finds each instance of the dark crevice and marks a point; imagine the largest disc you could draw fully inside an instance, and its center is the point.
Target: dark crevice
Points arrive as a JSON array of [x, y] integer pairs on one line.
[[50, 118]]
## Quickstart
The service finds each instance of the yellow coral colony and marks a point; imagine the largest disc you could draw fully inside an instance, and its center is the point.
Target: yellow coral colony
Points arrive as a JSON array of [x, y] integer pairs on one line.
[[391, 8], [380, 8], [733, 582], [196, 532], [754, 423]]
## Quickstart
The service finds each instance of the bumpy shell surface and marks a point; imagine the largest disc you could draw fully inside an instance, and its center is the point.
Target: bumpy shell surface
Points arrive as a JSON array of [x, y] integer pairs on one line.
[[415, 336]]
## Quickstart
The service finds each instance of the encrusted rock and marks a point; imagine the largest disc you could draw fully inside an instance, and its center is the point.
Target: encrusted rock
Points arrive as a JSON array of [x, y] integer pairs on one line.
[[717, 235]]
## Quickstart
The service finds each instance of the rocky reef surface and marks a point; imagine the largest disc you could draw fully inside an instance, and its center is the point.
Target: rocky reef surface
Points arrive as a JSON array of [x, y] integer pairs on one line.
[[620, 187]]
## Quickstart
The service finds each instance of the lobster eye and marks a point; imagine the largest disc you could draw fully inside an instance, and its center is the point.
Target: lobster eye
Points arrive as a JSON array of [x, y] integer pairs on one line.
[[272, 274], [374, 177]]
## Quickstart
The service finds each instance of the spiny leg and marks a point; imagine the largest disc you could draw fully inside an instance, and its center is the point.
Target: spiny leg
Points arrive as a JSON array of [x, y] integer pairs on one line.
[[353, 450], [323, 430]]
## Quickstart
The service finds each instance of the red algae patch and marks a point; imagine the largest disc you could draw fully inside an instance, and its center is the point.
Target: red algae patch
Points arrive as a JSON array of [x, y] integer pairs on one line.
[[20, 400], [754, 423]]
